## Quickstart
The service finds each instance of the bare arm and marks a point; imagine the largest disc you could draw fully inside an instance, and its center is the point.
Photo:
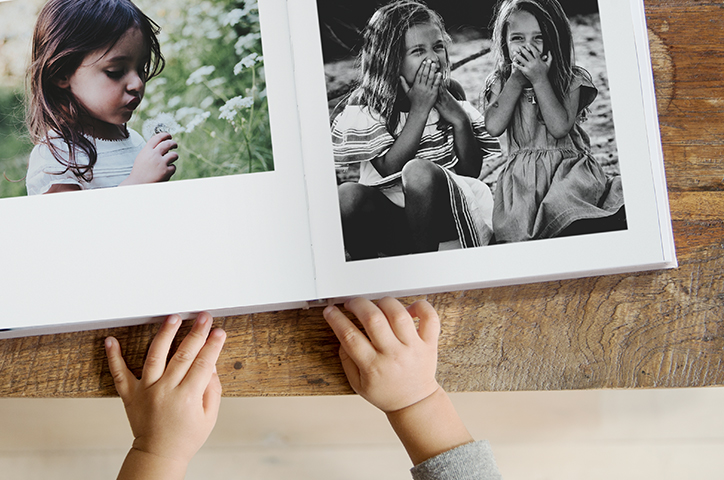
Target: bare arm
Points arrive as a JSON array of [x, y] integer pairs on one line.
[[466, 145], [559, 117], [422, 95], [502, 104], [63, 187]]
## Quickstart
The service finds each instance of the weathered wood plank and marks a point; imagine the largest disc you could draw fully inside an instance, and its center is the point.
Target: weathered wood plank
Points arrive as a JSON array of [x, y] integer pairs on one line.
[[651, 329]]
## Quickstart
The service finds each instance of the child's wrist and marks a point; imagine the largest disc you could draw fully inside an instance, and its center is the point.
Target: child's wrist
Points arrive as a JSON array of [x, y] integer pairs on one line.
[[430, 397], [429, 427], [141, 464], [461, 124]]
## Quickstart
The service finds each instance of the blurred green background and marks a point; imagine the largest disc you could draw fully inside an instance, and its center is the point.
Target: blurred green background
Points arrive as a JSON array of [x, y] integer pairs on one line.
[[212, 93]]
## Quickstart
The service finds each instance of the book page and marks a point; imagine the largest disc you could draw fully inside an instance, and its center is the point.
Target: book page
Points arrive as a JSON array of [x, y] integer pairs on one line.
[[121, 255], [645, 243]]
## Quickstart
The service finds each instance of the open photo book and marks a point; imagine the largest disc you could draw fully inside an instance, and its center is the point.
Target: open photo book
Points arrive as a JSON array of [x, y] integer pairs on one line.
[[274, 240]]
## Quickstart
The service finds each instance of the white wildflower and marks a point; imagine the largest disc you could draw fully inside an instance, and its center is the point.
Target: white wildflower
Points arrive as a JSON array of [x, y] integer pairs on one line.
[[233, 17], [184, 112], [198, 75], [197, 120], [174, 101], [206, 102], [246, 42], [217, 81], [246, 62], [232, 107], [163, 122]]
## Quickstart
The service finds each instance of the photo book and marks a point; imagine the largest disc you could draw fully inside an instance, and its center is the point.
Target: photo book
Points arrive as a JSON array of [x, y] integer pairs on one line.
[[274, 240]]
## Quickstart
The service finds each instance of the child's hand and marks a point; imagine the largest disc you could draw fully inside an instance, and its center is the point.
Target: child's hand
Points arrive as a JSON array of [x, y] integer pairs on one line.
[[450, 109], [155, 162], [172, 409], [423, 91], [529, 61], [393, 366]]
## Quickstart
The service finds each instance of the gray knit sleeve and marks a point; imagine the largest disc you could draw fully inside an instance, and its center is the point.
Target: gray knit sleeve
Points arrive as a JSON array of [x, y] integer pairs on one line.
[[473, 461]]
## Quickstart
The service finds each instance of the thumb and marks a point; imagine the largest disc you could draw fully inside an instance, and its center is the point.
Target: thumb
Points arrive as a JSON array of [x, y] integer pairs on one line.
[[123, 379], [351, 370]]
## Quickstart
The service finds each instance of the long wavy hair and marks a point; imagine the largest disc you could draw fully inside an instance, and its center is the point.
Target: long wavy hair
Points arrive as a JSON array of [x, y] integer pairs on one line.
[[65, 32], [380, 60], [557, 41]]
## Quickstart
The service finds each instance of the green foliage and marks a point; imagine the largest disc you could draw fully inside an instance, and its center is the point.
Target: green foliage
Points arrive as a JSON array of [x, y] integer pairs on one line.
[[211, 96], [15, 144]]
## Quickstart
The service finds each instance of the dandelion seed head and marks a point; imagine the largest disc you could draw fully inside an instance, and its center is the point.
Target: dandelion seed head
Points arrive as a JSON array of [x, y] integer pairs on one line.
[[163, 122]]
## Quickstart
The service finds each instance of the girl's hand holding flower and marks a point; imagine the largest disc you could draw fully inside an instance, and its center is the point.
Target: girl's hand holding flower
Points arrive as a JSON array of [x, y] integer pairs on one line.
[[155, 162]]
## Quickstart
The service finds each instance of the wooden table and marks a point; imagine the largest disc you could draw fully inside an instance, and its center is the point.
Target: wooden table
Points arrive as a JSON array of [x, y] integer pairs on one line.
[[657, 329]]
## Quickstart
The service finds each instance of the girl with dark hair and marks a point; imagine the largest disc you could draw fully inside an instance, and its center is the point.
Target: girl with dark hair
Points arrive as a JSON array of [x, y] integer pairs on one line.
[[419, 144], [551, 185], [90, 63]]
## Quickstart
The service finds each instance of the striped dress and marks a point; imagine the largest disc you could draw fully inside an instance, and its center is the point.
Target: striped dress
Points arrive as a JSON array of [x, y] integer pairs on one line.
[[359, 135]]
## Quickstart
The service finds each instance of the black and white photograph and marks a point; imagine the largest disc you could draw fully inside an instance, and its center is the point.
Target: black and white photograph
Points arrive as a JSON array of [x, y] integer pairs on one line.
[[465, 124]]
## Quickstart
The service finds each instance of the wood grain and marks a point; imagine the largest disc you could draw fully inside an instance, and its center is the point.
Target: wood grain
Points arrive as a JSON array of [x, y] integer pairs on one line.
[[652, 329]]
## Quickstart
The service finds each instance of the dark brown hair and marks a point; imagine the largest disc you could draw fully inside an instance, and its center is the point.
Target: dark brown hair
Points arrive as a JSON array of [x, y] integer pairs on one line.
[[65, 32], [380, 59], [557, 41]]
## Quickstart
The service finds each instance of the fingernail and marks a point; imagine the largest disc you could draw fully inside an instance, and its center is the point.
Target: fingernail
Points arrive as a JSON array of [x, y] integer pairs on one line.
[[328, 309], [172, 319], [109, 342], [202, 319]]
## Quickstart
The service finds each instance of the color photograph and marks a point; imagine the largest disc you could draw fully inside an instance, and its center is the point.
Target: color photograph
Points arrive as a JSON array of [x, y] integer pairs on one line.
[[98, 94]]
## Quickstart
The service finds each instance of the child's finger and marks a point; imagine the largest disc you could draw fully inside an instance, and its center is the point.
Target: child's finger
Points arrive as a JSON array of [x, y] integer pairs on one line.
[[154, 141], [170, 158], [437, 81], [354, 342], [202, 369], [212, 395], [400, 320], [155, 362], [166, 146], [429, 329], [122, 377], [377, 327], [351, 370], [184, 357], [423, 73]]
